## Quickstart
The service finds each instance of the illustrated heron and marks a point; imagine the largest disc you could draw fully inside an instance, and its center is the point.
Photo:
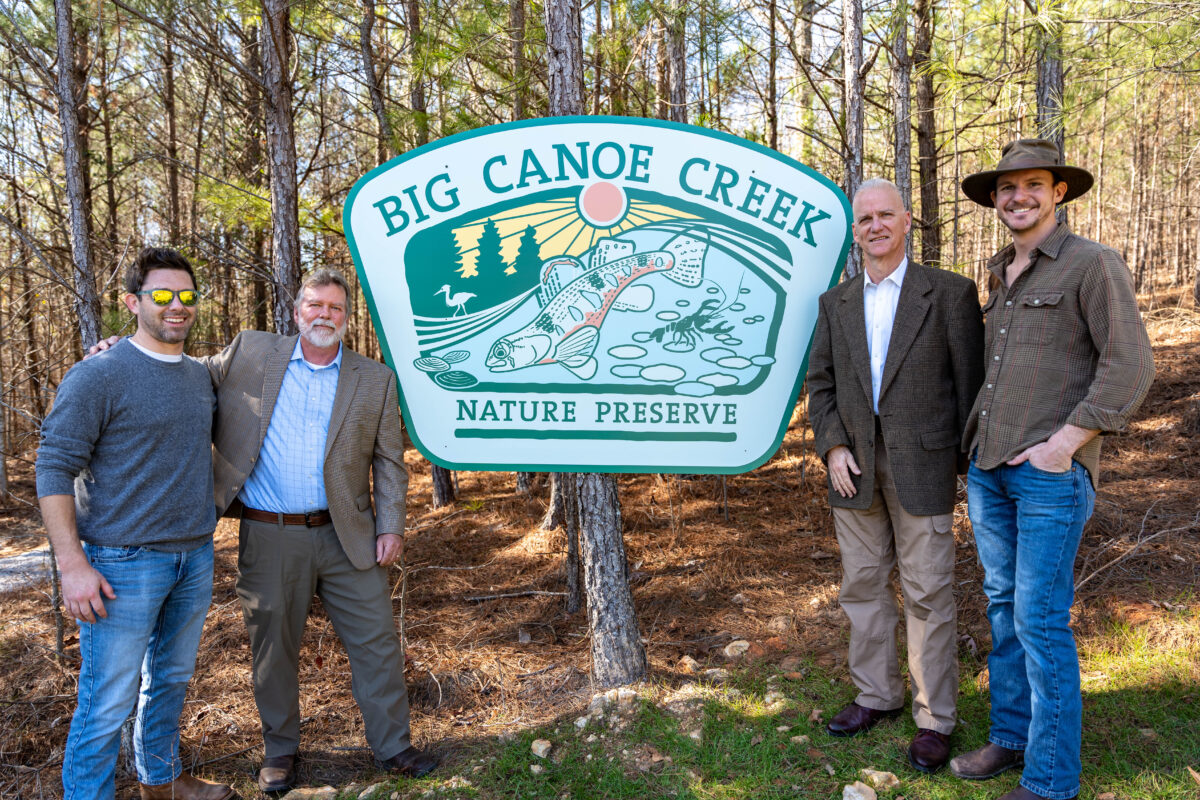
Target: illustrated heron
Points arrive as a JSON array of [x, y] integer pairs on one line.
[[457, 301]]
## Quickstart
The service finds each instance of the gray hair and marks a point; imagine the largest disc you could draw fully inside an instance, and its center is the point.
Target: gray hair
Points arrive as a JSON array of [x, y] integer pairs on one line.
[[882, 183], [326, 277]]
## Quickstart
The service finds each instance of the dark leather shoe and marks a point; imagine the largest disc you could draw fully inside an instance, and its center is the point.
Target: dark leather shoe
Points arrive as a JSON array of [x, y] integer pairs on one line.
[[278, 774], [186, 787], [929, 750], [412, 763], [986, 762], [854, 719], [1021, 793]]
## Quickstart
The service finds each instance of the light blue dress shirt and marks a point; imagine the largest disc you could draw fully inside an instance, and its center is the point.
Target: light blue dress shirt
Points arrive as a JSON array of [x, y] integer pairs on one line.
[[289, 477]]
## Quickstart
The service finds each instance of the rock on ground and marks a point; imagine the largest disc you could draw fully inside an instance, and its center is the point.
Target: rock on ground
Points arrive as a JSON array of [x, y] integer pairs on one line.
[[858, 791]]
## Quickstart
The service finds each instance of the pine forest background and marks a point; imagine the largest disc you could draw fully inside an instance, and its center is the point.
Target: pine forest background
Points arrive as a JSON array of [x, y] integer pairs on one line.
[[234, 131]]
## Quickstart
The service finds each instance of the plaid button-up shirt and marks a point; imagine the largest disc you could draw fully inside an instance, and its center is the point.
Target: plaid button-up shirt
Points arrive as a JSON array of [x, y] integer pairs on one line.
[[1064, 344]]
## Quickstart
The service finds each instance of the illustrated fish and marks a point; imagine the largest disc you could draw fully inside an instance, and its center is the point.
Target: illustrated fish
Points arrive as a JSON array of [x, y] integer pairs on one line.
[[567, 329]]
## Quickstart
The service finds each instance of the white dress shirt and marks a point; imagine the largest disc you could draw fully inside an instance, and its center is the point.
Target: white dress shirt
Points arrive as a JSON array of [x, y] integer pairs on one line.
[[879, 305]]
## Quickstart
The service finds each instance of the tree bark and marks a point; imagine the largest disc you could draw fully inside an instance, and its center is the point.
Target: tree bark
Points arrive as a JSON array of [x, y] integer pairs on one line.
[[75, 165], [677, 62], [617, 653], [901, 80], [443, 486], [417, 88], [386, 145], [174, 208], [571, 511], [853, 86], [618, 656], [281, 152], [556, 511], [524, 482], [516, 26], [1050, 81], [931, 234], [772, 63]]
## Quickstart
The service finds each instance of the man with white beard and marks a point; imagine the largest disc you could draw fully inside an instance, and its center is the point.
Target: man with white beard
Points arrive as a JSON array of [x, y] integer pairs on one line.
[[301, 425]]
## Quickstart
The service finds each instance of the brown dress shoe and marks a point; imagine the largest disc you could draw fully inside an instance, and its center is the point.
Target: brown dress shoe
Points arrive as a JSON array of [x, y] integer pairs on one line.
[[277, 774], [929, 750], [986, 762], [186, 787], [854, 719], [411, 763]]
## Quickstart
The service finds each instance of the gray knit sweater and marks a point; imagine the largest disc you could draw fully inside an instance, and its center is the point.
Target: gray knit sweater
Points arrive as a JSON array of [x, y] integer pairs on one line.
[[131, 438]]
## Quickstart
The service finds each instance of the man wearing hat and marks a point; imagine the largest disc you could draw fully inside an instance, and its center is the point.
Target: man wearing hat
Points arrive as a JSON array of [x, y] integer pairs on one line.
[[1066, 358]]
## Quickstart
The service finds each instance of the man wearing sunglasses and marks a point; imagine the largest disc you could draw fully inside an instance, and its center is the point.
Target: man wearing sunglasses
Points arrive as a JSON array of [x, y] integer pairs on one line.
[[124, 480], [303, 426]]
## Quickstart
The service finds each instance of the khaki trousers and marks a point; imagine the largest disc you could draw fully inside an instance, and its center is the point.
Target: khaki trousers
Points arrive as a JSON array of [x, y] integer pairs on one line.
[[872, 542], [280, 568]]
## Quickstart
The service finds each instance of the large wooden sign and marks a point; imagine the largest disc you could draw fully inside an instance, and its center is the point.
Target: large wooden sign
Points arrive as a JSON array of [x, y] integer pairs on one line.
[[596, 293]]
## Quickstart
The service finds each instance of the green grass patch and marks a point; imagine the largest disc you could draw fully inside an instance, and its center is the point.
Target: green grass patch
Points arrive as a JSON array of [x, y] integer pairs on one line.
[[1141, 731]]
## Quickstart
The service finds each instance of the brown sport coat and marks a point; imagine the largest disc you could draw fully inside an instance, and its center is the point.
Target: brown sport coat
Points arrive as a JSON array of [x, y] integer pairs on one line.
[[933, 370], [364, 436]]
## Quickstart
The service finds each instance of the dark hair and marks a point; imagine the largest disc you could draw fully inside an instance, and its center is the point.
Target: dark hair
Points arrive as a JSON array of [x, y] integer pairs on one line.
[[325, 277], [155, 258]]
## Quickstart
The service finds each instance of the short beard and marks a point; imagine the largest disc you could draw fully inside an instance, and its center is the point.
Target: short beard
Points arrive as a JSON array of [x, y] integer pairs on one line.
[[320, 334]]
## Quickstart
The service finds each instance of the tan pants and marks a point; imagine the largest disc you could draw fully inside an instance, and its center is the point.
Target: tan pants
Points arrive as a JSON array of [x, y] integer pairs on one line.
[[280, 568], [872, 542]]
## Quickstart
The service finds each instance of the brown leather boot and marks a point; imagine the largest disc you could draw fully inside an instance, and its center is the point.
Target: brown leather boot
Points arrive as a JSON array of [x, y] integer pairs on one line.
[[186, 787], [986, 762]]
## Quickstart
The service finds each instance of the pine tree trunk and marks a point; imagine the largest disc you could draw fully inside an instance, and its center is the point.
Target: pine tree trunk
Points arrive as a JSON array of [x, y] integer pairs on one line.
[[417, 89], [75, 166], [677, 62], [556, 513], [524, 482], [618, 656], [443, 486], [281, 152], [366, 46], [853, 87], [1050, 82], [516, 26], [901, 78], [617, 653], [931, 233]]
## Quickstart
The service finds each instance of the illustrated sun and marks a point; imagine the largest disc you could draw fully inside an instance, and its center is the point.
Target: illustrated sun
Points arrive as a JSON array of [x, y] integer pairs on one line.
[[603, 204]]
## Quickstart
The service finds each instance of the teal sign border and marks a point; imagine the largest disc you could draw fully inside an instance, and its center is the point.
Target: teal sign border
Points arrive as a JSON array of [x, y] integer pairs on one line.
[[562, 467]]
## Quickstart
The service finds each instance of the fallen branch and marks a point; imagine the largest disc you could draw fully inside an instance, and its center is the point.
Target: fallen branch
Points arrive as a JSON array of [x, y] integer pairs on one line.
[[530, 593], [1141, 541]]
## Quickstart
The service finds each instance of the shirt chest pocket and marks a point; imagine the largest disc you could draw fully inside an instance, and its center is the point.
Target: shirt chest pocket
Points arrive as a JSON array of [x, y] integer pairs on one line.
[[1041, 317]]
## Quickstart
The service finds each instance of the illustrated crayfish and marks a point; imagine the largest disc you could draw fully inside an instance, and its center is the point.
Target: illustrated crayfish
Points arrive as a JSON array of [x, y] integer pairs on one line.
[[690, 329]]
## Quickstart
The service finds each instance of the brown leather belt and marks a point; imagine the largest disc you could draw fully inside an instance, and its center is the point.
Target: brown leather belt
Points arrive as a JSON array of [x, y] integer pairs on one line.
[[312, 519]]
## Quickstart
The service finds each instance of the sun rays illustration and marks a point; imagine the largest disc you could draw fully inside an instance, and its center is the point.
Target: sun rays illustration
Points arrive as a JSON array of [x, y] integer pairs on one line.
[[567, 226]]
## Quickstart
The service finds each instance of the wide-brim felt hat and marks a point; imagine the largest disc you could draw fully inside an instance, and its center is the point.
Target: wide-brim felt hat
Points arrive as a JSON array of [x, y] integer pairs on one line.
[[1027, 154]]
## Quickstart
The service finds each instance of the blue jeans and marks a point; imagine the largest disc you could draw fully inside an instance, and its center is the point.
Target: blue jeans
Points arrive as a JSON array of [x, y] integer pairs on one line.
[[1028, 523], [149, 636]]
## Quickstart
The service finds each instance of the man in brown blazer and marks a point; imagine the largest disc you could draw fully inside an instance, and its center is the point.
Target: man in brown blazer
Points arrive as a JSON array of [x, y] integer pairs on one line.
[[895, 365], [302, 424]]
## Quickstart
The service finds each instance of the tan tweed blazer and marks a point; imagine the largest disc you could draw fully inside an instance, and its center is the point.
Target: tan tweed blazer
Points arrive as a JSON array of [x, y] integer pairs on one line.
[[933, 370], [364, 437]]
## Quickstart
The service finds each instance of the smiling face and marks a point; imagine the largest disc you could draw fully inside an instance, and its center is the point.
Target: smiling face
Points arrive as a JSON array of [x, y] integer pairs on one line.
[[162, 328], [321, 315], [881, 226], [1025, 201]]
